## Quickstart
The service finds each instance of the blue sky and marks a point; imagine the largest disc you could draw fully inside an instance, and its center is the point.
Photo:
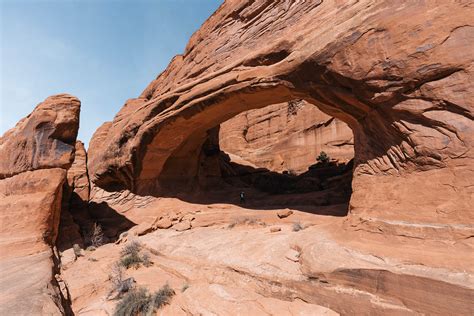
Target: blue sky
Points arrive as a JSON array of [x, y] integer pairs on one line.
[[102, 51]]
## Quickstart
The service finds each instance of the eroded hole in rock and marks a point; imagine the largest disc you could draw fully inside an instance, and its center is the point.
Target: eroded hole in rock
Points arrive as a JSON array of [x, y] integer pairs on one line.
[[271, 154]]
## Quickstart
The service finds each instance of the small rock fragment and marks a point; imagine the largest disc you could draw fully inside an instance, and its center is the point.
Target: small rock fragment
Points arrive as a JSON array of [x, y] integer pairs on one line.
[[143, 229], [182, 226], [162, 223], [275, 229], [284, 213]]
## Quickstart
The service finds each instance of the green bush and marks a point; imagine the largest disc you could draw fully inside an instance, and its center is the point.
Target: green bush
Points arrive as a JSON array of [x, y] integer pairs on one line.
[[323, 158], [140, 302]]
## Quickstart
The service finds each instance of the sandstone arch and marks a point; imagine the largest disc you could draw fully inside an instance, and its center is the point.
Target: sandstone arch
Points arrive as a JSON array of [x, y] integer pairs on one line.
[[399, 74]]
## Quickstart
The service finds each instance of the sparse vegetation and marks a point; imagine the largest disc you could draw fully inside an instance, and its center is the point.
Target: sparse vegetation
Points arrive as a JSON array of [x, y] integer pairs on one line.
[[132, 260], [146, 260], [131, 248], [116, 276], [297, 227], [77, 251], [97, 236], [119, 285], [323, 158], [135, 302], [131, 256], [245, 221], [163, 296], [141, 302], [294, 106]]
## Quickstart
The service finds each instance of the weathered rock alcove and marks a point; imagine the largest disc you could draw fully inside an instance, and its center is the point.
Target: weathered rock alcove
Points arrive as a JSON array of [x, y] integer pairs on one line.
[[401, 84]]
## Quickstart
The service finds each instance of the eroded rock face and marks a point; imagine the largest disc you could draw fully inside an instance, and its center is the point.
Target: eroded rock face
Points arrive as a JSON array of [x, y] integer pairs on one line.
[[286, 137], [34, 156], [77, 177], [75, 216], [30, 206], [44, 139], [399, 74]]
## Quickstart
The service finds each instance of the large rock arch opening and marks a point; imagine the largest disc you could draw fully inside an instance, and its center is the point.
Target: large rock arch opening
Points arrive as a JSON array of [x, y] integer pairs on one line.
[[286, 138], [398, 78], [203, 171]]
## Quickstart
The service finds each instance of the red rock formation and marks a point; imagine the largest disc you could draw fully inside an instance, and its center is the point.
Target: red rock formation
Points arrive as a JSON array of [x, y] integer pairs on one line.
[[287, 136], [34, 156], [74, 215], [44, 139], [77, 177], [399, 75], [258, 272]]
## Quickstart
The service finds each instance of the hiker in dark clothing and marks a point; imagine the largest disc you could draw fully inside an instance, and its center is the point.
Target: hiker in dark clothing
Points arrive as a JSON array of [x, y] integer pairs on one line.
[[242, 197]]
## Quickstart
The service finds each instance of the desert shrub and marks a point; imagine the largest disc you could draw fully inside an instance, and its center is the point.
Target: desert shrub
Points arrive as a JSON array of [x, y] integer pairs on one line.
[[77, 250], [97, 236], [131, 248], [297, 227], [146, 260], [141, 302], [119, 284], [162, 296], [131, 255], [116, 276], [323, 158], [132, 260], [135, 302]]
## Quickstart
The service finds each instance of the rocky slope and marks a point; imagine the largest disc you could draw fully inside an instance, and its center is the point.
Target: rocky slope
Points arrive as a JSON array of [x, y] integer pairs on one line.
[[222, 259], [34, 157], [286, 137], [398, 74]]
